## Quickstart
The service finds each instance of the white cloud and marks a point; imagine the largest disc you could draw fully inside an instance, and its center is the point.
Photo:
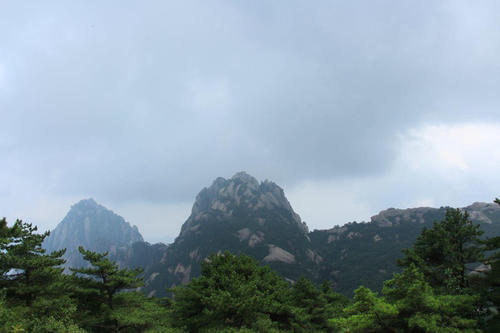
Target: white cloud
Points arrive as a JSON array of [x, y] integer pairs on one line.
[[437, 165], [450, 149]]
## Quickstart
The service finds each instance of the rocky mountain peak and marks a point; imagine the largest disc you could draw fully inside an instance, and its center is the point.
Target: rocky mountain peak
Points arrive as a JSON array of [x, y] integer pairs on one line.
[[244, 177], [241, 192], [392, 216], [90, 202], [86, 205], [483, 212], [92, 226]]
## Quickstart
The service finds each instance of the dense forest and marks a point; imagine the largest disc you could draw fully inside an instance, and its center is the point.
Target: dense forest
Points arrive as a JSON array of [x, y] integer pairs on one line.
[[449, 282]]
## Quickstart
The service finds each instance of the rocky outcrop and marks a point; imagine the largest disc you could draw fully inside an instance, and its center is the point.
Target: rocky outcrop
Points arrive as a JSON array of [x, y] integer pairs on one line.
[[92, 226], [392, 217], [245, 216], [240, 215], [240, 192], [278, 254], [483, 212]]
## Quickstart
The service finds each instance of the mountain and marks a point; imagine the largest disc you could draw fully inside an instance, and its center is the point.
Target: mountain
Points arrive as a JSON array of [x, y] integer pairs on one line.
[[92, 226], [239, 215], [366, 253], [242, 215]]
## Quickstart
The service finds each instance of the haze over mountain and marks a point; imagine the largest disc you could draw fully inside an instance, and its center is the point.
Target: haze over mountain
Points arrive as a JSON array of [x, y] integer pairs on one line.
[[92, 226], [243, 215], [352, 106]]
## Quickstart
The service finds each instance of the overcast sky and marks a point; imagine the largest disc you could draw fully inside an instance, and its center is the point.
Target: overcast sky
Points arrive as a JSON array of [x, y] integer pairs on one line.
[[350, 106]]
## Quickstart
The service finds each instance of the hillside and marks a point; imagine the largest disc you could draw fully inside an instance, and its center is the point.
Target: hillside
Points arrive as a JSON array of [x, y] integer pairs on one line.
[[242, 215]]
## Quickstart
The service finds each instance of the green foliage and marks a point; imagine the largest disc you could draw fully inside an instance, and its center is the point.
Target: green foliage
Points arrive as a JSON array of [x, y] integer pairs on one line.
[[44, 315], [313, 307], [487, 283], [443, 252], [104, 279], [434, 293], [368, 313], [104, 307], [410, 305], [421, 309], [27, 272], [35, 292], [133, 312], [232, 292]]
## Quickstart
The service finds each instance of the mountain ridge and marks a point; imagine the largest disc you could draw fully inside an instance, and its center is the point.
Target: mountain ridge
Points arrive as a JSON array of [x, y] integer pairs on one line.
[[92, 226], [242, 215]]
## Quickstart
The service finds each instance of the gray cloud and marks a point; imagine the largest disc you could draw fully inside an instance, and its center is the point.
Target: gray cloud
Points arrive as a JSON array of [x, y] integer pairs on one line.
[[130, 101]]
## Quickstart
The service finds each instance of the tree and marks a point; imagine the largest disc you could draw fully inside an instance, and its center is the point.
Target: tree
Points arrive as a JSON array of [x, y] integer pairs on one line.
[[27, 271], [487, 282], [105, 279], [409, 305], [313, 306], [420, 309], [443, 252], [34, 290], [97, 288], [232, 292], [134, 312], [368, 313]]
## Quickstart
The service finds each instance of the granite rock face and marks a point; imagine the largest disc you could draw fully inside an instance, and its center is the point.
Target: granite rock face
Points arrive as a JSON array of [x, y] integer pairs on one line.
[[240, 192], [239, 215], [245, 216], [92, 226]]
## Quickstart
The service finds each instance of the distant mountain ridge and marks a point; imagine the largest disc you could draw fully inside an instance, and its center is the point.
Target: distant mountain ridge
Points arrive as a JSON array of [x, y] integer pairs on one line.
[[92, 226], [242, 215]]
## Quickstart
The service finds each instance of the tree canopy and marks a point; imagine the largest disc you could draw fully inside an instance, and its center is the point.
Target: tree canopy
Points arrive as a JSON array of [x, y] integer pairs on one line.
[[435, 292], [444, 252]]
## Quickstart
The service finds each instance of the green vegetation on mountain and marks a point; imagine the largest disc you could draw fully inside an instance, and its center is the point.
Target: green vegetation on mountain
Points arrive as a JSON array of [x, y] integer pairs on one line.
[[444, 251], [434, 292], [244, 216], [232, 292]]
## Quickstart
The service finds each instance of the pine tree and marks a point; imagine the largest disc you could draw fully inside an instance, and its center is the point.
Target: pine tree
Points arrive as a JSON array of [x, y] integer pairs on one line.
[[488, 283], [421, 309], [97, 289], [27, 271], [232, 292], [409, 305], [310, 305], [368, 313], [35, 291], [443, 252]]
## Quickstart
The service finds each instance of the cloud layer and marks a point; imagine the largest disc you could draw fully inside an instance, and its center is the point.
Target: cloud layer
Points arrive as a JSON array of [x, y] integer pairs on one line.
[[141, 104]]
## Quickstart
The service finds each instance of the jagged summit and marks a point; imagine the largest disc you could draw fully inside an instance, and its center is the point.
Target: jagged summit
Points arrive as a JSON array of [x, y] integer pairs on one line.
[[241, 192], [86, 205], [392, 216], [92, 226], [479, 212], [245, 177], [86, 202], [483, 212], [240, 215]]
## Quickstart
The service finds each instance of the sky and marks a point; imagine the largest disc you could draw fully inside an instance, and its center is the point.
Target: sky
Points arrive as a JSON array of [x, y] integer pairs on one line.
[[351, 107]]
